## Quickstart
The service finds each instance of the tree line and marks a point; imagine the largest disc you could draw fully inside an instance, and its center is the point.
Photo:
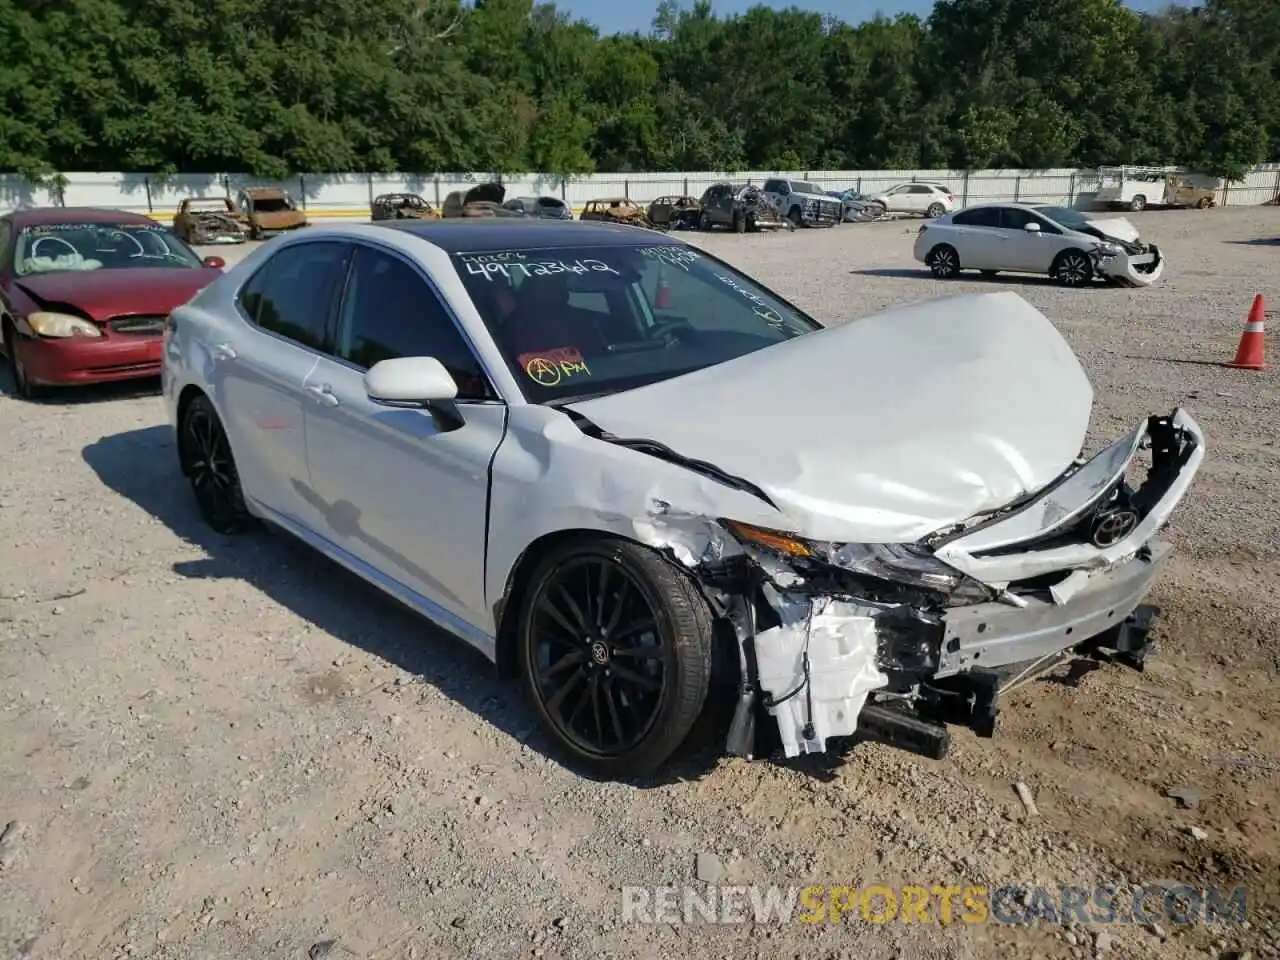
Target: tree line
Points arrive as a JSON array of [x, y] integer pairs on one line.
[[273, 87]]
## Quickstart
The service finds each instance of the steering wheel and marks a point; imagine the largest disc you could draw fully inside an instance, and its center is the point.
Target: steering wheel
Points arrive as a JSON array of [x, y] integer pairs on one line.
[[142, 251], [673, 331], [35, 246]]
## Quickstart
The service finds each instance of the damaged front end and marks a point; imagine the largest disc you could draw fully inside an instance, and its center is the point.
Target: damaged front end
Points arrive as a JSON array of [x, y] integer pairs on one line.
[[1129, 262], [893, 642]]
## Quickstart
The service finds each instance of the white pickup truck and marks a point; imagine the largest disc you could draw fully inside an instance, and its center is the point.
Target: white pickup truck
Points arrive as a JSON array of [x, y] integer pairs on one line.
[[804, 204], [1136, 188]]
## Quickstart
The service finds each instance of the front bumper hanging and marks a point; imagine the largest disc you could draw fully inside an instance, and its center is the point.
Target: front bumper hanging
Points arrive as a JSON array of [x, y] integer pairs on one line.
[[1074, 565]]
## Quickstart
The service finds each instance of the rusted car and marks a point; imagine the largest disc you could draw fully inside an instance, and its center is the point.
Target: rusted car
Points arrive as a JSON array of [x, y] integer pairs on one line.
[[675, 212], [741, 207], [616, 210], [269, 211], [208, 220], [401, 206], [482, 200]]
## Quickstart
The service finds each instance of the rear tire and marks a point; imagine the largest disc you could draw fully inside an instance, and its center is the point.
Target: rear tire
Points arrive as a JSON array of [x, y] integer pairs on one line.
[[935, 210], [629, 638], [739, 222], [1204, 203], [943, 261], [1138, 203], [205, 455]]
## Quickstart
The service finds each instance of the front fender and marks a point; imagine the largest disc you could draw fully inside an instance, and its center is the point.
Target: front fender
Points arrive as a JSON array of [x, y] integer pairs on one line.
[[548, 478]]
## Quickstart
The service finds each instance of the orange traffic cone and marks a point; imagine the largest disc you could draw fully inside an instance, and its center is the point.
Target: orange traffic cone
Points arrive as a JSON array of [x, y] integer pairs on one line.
[[1249, 355], [663, 299]]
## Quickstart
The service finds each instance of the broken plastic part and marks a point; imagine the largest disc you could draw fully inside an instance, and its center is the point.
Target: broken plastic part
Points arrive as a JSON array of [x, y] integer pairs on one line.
[[828, 650]]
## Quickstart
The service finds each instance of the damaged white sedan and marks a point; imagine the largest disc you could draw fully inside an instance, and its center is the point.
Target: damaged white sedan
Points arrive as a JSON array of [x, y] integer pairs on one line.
[[632, 475], [1067, 245]]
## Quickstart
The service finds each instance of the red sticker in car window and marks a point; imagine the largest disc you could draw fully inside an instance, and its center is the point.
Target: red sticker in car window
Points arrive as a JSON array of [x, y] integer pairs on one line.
[[548, 367]]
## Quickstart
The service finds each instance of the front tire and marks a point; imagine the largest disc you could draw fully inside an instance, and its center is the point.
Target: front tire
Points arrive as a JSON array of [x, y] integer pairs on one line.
[[944, 261], [739, 222], [614, 644], [704, 221], [22, 385], [205, 455], [1138, 203], [796, 218], [1073, 269]]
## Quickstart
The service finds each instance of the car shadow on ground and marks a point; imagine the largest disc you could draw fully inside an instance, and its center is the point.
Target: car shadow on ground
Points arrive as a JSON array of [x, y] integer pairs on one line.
[[1257, 242], [141, 465]]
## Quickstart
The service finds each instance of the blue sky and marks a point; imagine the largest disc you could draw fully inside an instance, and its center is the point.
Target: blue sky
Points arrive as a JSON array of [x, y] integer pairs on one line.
[[612, 16]]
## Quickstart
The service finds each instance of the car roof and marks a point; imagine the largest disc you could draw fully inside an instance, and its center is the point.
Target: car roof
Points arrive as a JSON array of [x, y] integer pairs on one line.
[[40, 216], [480, 234], [1006, 203]]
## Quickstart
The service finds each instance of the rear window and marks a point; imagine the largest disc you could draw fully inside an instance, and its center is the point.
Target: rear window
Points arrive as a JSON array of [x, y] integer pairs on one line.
[[579, 321]]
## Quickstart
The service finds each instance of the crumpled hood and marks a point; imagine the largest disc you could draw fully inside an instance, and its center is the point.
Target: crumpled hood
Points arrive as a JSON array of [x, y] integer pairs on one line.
[[884, 429], [102, 294], [1118, 227]]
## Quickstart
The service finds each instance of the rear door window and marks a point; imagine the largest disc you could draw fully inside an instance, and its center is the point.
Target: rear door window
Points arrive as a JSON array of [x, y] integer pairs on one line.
[[293, 294], [978, 217]]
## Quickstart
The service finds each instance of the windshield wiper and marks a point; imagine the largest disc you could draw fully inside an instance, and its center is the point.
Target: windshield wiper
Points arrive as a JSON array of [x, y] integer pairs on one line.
[[662, 452]]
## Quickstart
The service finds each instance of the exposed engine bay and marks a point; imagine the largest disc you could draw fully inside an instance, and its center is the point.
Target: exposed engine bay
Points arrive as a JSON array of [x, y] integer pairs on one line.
[[836, 641]]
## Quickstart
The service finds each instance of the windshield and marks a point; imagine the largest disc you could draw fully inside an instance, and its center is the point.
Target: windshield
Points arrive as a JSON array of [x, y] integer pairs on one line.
[[1071, 219], [799, 186], [65, 247], [271, 204], [208, 206], [579, 321]]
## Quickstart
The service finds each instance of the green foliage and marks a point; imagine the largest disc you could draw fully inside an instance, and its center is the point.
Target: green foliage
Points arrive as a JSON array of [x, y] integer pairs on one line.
[[271, 87]]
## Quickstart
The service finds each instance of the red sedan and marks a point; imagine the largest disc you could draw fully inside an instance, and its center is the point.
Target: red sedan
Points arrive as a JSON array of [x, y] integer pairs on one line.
[[84, 293]]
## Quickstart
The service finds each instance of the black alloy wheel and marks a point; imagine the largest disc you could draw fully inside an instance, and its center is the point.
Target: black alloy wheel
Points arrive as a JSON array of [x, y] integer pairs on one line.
[[207, 462], [943, 261], [615, 650]]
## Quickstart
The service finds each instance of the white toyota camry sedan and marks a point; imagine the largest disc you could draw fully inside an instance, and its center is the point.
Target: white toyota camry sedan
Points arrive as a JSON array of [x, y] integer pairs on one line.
[[632, 475]]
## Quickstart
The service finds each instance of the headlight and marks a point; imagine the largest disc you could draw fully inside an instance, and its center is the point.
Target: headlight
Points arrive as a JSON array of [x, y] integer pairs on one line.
[[901, 563], [61, 325], [1108, 250]]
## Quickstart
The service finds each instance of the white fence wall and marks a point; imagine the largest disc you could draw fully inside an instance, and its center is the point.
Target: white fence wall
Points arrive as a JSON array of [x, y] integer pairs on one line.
[[349, 194]]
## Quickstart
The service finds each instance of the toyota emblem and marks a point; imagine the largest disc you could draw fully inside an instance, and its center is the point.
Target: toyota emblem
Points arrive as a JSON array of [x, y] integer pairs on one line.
[[1112, 526]]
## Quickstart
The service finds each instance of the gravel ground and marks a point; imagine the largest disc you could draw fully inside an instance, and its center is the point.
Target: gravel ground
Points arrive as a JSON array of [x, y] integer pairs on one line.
[[231, 749]]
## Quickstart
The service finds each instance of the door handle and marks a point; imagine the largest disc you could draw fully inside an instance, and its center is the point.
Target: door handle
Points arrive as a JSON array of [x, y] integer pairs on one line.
[[223, 351], [324, 394]]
